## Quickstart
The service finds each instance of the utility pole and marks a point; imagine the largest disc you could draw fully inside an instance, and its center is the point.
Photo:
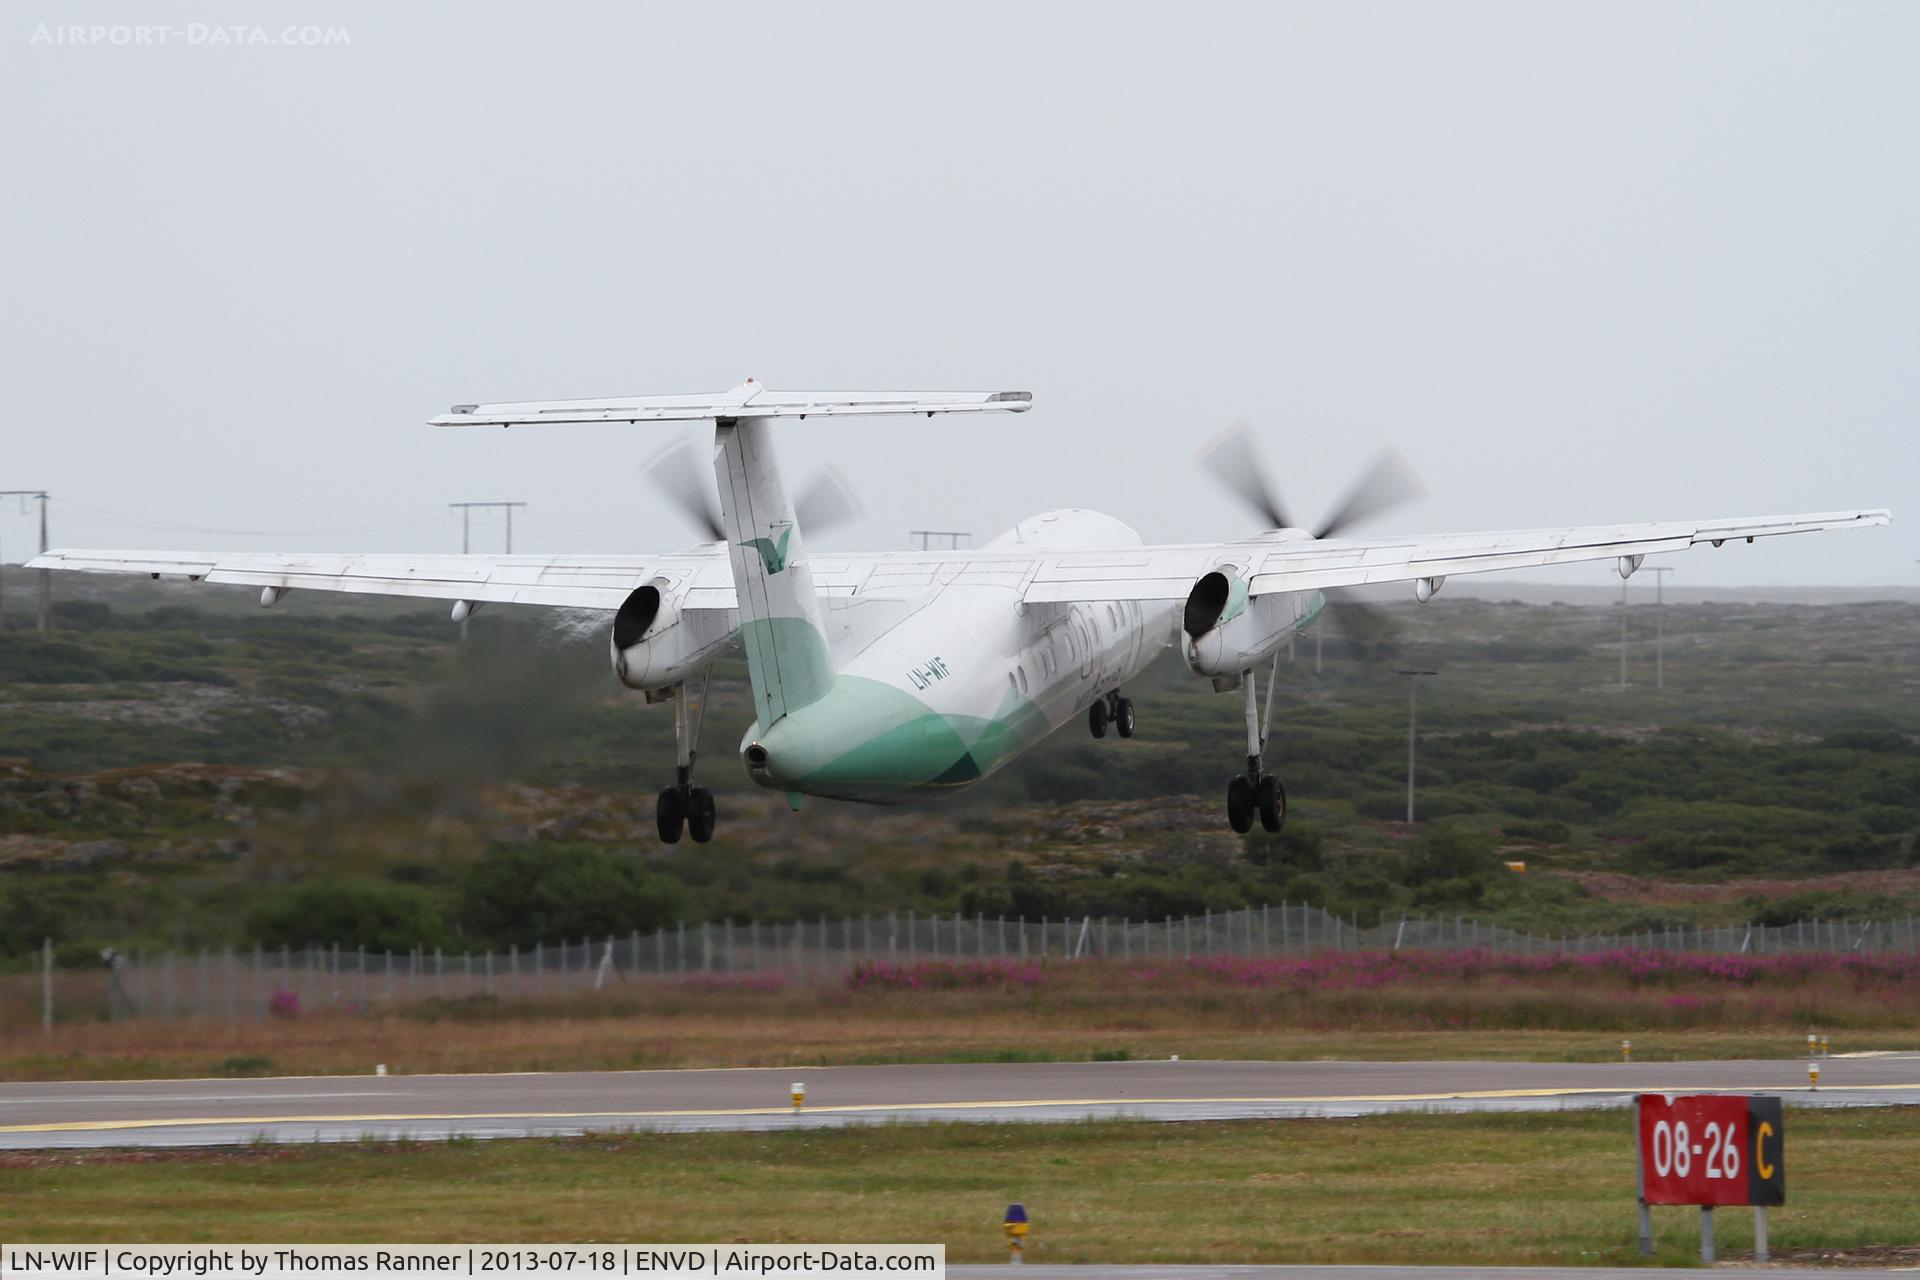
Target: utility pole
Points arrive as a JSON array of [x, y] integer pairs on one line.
[[955, 539], [1623, 635], [466, 521], [1659, 572], [46, 586], [466, 533], [1413, 705]]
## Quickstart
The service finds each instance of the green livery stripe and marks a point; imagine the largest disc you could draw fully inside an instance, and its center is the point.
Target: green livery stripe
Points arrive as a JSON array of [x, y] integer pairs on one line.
[[830, 748]]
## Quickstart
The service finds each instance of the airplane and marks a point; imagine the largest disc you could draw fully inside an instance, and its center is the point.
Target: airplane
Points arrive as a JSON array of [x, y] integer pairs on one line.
[[881, 677]]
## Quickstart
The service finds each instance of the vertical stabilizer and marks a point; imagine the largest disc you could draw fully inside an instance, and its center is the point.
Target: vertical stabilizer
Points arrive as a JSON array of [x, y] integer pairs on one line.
[[781, 621]]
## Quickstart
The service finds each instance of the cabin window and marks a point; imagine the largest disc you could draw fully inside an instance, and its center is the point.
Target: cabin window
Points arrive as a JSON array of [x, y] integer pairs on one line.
[[1023, 678]]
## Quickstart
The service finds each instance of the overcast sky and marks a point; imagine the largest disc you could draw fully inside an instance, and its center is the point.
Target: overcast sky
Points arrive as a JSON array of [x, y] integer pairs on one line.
[[1581, 263]]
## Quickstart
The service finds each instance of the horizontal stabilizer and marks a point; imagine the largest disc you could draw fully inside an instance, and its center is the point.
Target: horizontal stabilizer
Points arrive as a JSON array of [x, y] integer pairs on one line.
[[748, 400]]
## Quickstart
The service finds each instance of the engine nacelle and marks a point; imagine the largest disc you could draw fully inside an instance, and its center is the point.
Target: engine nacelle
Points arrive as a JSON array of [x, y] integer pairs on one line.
[[1224, 631], [656, 644]]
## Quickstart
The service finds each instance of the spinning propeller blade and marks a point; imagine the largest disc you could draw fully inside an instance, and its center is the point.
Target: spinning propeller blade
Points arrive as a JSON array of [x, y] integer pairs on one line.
[[1388, 483], [677, 475], [1231, 459]]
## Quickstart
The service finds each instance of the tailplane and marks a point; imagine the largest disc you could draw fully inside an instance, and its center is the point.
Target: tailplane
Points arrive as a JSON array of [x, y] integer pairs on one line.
[[781, 620]]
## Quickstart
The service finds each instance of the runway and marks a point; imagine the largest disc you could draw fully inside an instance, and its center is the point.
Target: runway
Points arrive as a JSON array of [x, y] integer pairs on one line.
[[348, 1108]]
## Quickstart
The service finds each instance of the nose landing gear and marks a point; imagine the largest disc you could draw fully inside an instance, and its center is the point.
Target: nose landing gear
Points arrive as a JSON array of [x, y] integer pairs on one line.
[[1256, 792], [683, 805], [1112, 709]]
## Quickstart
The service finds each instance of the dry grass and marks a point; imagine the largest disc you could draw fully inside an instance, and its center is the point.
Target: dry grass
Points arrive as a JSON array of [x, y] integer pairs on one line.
[[1488, 1190], [1356, 1007]]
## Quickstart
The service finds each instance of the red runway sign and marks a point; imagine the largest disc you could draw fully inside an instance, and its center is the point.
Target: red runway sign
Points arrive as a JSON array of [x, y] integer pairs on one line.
[[1711, 1149]]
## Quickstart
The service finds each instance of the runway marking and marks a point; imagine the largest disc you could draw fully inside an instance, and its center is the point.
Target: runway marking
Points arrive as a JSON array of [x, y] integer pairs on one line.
[[194, 1097], [871, 1107]]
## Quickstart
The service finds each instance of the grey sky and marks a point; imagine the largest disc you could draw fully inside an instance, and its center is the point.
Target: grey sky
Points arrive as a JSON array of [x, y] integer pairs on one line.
[[1581, 263]]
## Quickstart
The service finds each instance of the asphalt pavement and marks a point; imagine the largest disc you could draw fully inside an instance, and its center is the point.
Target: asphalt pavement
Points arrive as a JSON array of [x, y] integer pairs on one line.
[[348, 1108]]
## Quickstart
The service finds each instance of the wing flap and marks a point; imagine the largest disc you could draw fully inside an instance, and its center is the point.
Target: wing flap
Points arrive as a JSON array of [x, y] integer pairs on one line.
[[1169, 572], [586, 582]]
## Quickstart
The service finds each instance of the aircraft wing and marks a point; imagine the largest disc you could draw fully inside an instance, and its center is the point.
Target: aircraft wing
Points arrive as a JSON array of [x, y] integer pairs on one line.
[[584, 582], [1169, 572]]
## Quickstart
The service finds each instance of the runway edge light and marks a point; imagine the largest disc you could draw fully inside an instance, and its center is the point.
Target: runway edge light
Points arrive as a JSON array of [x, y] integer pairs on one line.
[[799, 1095], [1015, 1225]]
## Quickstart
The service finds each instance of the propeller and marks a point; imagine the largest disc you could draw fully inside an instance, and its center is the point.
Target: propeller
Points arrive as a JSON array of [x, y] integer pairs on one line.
[[1231, 458], [1388, 482], [678, 476]]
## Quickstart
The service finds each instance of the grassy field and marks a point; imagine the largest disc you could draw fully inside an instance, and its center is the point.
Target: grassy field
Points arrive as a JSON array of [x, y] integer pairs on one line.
[[1490, 1190], [1333, 1006], [179, 770]]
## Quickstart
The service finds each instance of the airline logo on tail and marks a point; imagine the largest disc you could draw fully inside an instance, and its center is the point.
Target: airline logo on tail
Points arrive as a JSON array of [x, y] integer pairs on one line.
[[773, 553]]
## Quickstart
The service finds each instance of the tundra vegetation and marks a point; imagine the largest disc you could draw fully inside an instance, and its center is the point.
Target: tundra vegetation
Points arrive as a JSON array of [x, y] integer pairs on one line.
[[185, 770]]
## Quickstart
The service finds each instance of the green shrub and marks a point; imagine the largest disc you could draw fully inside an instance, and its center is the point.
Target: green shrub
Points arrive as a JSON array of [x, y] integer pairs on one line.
[[376, 915], [523, 894]]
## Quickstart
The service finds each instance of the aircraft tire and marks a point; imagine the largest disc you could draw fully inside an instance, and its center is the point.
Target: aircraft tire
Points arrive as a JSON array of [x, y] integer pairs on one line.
[[1273, 803], [1097, 718], [1123, 717], [670, 815], [1240, 804], [700, 815]]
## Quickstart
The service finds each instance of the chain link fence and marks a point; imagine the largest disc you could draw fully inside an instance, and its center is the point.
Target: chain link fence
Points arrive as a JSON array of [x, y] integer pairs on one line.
[[256, 982]]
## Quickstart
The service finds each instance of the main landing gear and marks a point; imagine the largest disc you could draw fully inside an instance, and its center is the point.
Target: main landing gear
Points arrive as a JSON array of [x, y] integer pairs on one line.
[[683, 805], [1257, 792], [1112, 708]]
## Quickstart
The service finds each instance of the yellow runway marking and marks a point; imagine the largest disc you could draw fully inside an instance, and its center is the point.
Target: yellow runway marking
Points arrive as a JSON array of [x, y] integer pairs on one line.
[[868, 1108]]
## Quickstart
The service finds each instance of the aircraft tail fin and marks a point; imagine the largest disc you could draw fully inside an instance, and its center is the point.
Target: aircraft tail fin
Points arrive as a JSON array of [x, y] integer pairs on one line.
[[781, 621]]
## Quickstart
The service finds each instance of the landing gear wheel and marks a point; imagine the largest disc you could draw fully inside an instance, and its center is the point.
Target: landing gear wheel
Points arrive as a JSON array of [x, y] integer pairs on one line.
[[1273, 803], [700, 815], [1123, 717], [1240, 804], [1097, 718], [670, 813]]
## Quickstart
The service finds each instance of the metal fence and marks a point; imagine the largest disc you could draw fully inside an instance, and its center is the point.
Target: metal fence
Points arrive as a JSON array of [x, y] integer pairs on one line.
[[257, 982]]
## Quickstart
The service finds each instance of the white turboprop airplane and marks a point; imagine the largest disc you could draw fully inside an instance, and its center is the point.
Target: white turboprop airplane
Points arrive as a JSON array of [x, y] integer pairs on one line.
[[882, 676]]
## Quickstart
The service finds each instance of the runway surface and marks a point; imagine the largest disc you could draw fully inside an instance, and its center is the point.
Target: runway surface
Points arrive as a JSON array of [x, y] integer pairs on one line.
[[349, 1108]]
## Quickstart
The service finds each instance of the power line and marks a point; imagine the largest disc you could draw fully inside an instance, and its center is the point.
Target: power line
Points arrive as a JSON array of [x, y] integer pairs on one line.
[[955, 539], [107, 516], [466, 521]]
